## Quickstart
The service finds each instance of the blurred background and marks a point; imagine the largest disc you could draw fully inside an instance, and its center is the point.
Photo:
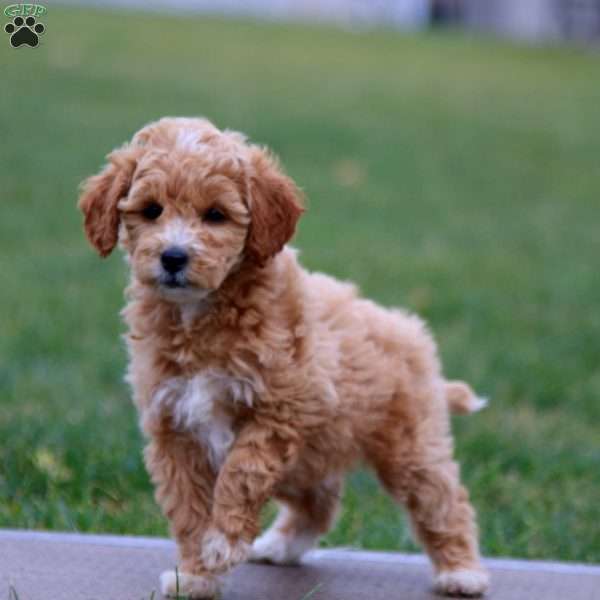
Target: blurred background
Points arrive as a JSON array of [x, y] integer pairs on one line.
[[449, 152], [535, 20]]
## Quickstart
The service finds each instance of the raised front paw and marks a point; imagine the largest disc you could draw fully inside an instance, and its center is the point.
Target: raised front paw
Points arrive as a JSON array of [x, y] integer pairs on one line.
[[219, 553], [186, 585]]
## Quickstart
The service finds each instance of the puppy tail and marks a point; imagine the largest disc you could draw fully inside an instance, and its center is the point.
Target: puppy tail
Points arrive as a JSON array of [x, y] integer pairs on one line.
[[461, 398]]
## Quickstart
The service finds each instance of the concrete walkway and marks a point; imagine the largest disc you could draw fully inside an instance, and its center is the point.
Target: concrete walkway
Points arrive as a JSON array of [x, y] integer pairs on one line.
[[47, 566]]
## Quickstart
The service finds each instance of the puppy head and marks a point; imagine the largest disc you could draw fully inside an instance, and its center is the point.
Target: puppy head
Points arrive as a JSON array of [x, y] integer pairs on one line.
[[190, 204]]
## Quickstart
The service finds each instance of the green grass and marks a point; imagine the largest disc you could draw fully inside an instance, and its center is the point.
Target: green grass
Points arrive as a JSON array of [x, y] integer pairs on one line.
[[457, 177]]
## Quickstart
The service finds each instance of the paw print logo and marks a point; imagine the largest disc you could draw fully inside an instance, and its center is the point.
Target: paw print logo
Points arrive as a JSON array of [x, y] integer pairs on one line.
[[24, 32]]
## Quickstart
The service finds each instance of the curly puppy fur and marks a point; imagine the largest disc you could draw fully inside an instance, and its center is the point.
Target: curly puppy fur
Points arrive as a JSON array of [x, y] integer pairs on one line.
[[256, 379]]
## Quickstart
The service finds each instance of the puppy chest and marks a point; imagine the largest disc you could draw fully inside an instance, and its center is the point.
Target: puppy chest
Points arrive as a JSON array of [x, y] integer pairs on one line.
[[204, 406]]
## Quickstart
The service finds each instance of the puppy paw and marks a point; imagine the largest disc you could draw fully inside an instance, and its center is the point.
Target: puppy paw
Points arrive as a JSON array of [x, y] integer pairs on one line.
[[219, 554], [462, 582], [185, 585], [280, 549]]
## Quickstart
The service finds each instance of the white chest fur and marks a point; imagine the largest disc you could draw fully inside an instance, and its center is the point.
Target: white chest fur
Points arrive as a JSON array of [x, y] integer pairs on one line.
[[198, 404]]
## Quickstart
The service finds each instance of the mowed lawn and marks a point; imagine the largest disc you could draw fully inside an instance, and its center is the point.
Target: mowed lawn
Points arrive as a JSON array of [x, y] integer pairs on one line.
[[453, 176]]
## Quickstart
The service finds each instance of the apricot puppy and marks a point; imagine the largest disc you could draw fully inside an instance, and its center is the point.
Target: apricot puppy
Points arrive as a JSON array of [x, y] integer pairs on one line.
[[256, 379]]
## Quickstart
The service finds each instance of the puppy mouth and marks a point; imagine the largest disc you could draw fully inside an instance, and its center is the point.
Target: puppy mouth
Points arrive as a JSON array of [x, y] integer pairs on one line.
[[177, 288], [173, 281]]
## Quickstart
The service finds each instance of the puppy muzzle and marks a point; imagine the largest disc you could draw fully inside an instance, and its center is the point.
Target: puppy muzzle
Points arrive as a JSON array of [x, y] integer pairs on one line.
[[174, 261]]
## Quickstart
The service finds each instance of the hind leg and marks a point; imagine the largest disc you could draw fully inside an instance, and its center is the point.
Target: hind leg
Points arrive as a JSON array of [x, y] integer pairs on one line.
[[422, 475], [303, 517], [444, 521]]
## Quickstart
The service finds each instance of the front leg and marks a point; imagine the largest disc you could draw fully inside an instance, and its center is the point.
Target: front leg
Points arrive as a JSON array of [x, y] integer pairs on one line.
[[184, 486], [246, 480]]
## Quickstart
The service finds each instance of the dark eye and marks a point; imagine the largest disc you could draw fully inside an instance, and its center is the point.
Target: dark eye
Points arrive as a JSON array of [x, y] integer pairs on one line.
[[152, 211], [214, 215]]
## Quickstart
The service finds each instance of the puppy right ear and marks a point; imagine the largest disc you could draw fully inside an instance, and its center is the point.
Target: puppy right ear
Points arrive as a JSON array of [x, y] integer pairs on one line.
[[98, 201]]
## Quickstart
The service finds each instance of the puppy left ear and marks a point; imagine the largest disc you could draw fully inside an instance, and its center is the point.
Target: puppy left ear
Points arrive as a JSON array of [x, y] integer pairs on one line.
[[99, 198], [275, 207]]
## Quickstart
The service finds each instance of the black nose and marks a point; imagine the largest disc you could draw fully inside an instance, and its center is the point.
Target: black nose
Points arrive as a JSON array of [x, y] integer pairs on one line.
[[173, 259]]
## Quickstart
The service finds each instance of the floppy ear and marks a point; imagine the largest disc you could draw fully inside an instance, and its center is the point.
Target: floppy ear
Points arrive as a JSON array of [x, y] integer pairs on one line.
[[275, 207], [100, 195]]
